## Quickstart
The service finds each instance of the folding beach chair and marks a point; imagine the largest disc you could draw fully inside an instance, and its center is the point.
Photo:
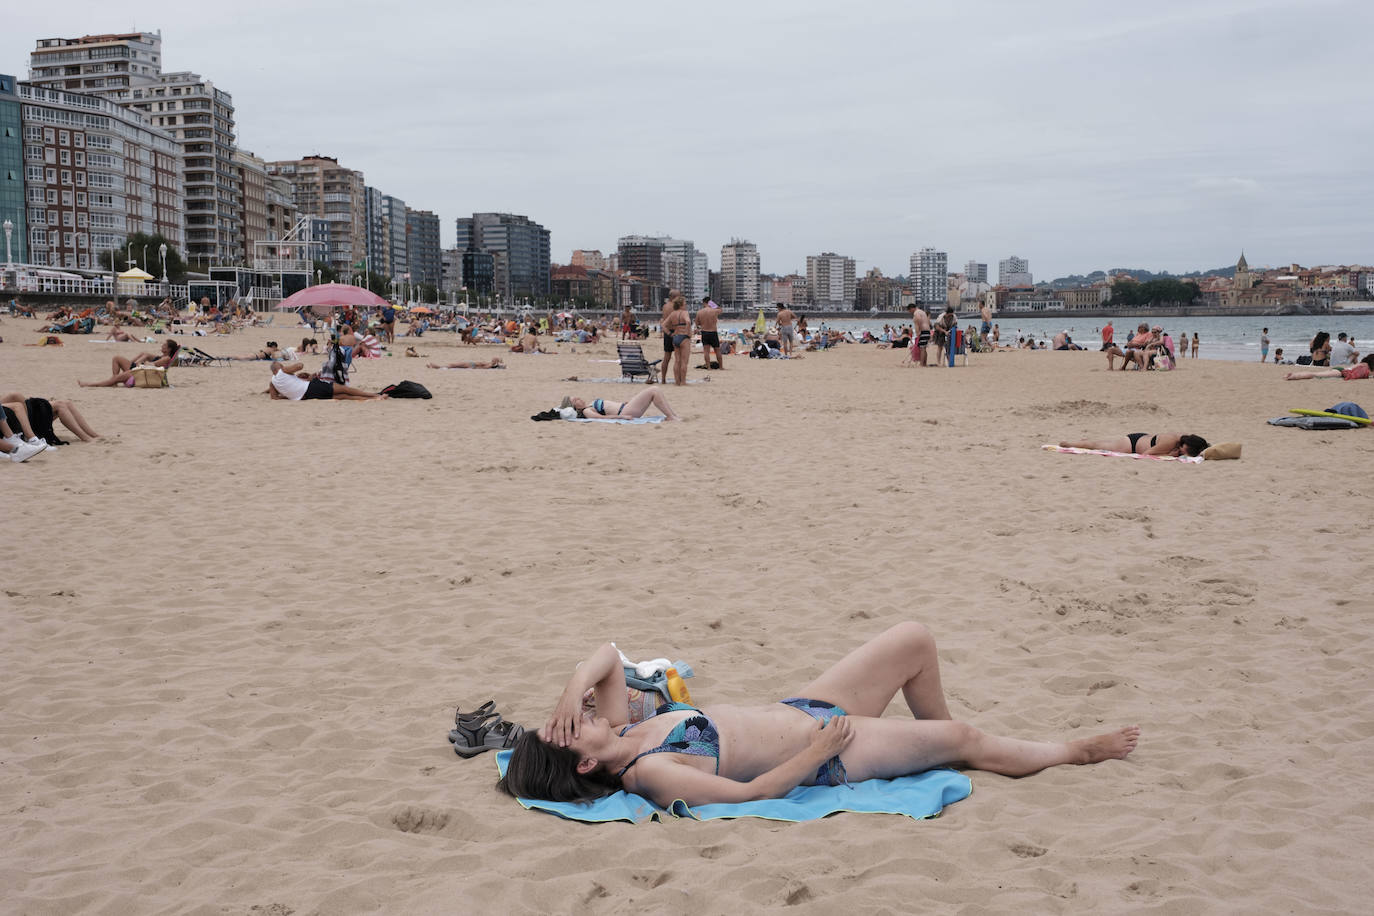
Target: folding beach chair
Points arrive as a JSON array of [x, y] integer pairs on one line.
[[632, 362], [210, 360], [190, 356]]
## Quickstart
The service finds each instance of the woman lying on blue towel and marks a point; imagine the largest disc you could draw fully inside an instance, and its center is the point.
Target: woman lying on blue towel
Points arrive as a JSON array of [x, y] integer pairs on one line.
[[832, 734]]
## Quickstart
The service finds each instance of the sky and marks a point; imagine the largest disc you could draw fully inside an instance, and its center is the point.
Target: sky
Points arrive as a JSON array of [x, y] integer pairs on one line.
[[1080, 135]]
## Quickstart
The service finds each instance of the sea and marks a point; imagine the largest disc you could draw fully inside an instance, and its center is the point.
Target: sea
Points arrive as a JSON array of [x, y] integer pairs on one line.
[[1219, 337]]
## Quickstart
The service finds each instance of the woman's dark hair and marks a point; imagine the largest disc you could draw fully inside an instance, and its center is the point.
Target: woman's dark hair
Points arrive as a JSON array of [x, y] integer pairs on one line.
[[1193, 445], [1319, 341], [271, 343], [172, 347], [1369, 361], [547, 772]]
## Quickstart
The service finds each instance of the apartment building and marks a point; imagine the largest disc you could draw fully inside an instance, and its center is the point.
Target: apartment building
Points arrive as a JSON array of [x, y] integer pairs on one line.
[[830, 279], [94, 172], [1014, 272], [739, 274], [422, 247], [591, 259], [323, 188], [519, 250], [930, 277], [386, 251], [976, 272], [127, 69], [252, 178]]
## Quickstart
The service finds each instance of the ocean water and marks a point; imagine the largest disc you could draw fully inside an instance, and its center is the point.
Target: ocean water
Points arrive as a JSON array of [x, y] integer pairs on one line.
[[1233, 338]]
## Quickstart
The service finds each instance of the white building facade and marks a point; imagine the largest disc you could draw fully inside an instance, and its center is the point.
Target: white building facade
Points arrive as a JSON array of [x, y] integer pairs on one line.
[[830, 279], [739, 274], [930, 277], [1014, 271]]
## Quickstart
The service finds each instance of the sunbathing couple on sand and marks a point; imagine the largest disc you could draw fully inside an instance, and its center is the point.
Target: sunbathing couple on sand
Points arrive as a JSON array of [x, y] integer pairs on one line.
[[1360, 370], [832, 733], [121, 367], [290, 382]]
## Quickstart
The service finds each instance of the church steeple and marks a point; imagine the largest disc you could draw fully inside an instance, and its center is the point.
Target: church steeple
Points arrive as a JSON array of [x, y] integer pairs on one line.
[[1241, 265]]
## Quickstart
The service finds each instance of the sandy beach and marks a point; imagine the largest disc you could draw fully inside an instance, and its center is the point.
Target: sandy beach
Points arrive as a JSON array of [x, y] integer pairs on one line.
[[234, 631]]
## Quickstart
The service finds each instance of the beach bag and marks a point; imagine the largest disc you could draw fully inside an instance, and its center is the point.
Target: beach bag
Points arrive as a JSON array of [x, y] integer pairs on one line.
[[148, 377], [407, 390], [1304, 360]]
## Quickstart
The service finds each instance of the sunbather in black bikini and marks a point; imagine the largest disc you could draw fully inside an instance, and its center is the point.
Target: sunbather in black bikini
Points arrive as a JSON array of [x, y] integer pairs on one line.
[[1173, 444]]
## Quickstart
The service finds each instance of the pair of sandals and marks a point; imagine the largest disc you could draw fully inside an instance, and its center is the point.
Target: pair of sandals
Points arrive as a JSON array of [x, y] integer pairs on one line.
[[481, 730]]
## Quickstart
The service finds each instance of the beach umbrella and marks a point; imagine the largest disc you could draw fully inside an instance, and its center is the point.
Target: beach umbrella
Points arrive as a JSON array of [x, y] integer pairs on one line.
[[565, 314], [421, 310], [331, 296], [761, 323], [136, 275]]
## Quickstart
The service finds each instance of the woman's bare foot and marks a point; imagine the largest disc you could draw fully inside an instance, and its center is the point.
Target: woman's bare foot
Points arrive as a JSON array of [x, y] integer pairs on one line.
[[1111, 746]]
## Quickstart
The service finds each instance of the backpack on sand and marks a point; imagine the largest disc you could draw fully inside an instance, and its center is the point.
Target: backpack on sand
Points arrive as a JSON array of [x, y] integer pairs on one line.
[[407, 390]]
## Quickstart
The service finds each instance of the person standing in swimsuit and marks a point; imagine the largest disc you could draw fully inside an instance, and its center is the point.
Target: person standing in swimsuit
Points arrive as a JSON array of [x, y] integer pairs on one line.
[[832, 733], [1264, 345], [678, 325], [668, 348], [922, 320], [708, 317], [787, 332]]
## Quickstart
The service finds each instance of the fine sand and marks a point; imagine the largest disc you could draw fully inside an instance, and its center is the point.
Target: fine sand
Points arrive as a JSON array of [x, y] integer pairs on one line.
[[234, 632]]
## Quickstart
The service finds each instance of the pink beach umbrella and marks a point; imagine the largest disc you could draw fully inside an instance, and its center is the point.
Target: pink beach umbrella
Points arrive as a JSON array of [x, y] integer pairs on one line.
[[331, 296]]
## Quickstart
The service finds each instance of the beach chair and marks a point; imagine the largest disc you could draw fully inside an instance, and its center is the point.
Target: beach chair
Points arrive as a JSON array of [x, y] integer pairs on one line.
[[632, 362], [207, 359], [189, 356], [956, 348]]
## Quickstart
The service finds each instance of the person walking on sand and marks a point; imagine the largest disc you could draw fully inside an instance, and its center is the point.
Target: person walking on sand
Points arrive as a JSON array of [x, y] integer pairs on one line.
[[1195, 344], [787, 331], [986, 312], [1264, 345], [1108, 332], [627, 323], [708, 318]]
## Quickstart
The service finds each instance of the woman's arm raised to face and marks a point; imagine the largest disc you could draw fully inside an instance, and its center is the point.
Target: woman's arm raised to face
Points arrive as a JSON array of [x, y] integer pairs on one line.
[[601, 672]]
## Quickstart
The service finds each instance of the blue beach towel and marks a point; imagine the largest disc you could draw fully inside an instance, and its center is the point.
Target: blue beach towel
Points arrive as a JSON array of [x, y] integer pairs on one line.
[[624, 420], [920, 796]]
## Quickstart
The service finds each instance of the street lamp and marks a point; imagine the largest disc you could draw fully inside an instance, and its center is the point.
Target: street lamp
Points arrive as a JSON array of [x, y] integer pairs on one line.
[[162, 252], [9, 230]]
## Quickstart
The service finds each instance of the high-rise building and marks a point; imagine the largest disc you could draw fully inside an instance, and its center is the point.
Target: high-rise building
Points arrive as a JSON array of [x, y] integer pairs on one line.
[[12, 172], [386, 245], [422, 247], [94, 172], [127, 68], [739, 274], [976, 272], [701, 274], [201, 118], [323, 188], [1014, 271], [519, 250], [97, 64], [252, 194], [450, 271], [930, 277], [641, 256], [830, 278], [680, 269]]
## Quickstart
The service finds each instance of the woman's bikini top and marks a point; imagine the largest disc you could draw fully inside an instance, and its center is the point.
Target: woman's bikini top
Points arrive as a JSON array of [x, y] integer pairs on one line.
[[695, 735]]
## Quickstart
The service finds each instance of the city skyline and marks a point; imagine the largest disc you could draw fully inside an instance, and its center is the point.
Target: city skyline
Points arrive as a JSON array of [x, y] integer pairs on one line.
[[1078, 138]]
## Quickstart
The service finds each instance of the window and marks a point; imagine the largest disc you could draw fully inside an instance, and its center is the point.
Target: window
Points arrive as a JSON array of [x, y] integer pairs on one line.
[[52, 195], [67, 218], [81, 239], [38, 216], [65, 156], [78, 140], [49, 135], [52, 217], [54, 237], [80, 160], [81, 198], [80, 179], [68, 240], [66, 176], [66, 198], [84, 260], [82, 221], [51, 175], [50, 156], [64, 138]]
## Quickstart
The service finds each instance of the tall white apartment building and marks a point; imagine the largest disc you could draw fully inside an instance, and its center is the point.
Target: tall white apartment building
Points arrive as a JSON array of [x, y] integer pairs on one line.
[[1014, 271], [976, 272], [701, 277], [930, 277], [830, 278], [739, 274]]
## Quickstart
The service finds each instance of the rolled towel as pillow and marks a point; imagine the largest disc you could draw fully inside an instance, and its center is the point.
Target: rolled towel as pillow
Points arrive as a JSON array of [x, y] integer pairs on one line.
[[1221, 451]]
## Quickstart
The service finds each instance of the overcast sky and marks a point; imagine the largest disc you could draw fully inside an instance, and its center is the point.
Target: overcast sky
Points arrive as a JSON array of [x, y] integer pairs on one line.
[[1079, 134]]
